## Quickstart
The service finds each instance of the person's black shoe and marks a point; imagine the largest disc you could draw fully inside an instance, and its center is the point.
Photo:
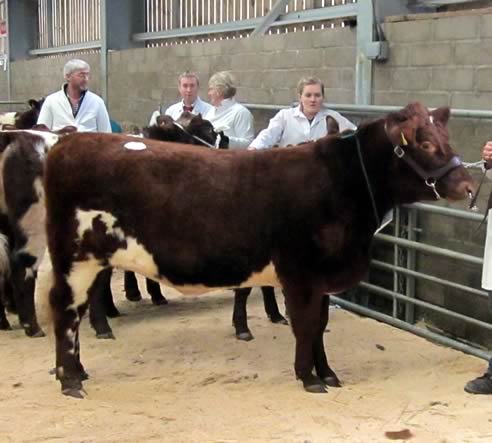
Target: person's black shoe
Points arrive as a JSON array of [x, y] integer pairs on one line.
[[480, 385]]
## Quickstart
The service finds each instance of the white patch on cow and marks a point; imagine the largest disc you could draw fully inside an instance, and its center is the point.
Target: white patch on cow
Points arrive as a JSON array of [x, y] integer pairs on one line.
[[81, 276], [48, 139], [32, 225], [7, 118], [135, 146], [267, 277], [86, 219]]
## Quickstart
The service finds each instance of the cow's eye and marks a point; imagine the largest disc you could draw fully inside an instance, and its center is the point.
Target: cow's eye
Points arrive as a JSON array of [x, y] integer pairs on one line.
[[428, 146]]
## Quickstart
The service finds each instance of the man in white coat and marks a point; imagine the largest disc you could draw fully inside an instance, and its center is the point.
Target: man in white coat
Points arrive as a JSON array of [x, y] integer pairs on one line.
[[74, 104], [188, 85], [483, 384]]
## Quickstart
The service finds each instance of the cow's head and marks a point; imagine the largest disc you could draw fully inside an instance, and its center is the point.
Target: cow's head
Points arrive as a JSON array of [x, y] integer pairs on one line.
[[27, 119], [203, 130], [425, 165]]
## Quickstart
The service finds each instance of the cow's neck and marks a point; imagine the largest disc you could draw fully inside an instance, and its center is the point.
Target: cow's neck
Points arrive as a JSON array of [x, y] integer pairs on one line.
[[368, 157]]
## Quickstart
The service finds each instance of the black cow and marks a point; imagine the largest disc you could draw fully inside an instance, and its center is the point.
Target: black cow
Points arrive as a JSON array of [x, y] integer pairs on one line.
[[200, 219]]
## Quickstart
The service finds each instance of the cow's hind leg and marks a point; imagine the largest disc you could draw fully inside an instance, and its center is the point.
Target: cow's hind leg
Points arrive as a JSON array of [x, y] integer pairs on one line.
[[107, 296], [325, 373], [304, 311], [131, 287], [68, 301], [99, 295], [154, 290], [23, 280], [239, 315], [271, 306], [4, 323]]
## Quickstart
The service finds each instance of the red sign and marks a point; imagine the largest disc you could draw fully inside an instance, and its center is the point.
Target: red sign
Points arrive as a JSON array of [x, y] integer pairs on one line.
[[3, 27]]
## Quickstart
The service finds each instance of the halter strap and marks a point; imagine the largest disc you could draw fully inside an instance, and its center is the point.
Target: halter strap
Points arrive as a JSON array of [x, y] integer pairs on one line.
[[193, 136]]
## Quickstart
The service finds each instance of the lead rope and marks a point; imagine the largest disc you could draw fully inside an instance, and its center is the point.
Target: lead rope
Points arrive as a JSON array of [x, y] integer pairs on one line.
[[371, 195]]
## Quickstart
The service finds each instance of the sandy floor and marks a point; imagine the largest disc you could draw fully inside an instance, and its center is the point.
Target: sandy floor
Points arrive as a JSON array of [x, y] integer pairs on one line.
[[176, 373]]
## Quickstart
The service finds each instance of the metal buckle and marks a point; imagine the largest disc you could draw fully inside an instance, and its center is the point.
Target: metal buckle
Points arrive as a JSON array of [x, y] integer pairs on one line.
[[432, 184], [399, 151]]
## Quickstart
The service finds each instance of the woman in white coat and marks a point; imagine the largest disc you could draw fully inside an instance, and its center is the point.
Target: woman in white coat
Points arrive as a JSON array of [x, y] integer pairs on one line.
[[483, 384], [305, 122], [227, 114]]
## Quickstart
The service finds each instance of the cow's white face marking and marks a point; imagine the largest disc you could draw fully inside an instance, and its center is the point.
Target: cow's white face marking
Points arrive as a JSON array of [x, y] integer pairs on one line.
[[135, 146], [32, 225]]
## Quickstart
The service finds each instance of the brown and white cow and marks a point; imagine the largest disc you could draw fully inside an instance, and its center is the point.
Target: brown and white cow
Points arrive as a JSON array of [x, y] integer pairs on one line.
[[301, 218]]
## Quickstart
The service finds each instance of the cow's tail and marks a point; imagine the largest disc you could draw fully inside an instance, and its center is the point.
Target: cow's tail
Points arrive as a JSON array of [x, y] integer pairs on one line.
[[44, 283]]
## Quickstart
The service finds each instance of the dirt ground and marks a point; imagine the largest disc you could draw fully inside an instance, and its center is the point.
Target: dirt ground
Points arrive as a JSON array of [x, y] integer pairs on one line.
[[176, 373]]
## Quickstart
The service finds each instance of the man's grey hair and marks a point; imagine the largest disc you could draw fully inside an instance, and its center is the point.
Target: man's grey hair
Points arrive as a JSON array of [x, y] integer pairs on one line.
[[224, 82], [75, 65], [305, 81], [189, 74]]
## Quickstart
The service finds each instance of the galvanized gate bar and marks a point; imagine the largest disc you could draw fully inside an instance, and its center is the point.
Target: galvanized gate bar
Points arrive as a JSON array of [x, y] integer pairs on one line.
[[460, 346], [431, 278], [428, 248], [424, 304]]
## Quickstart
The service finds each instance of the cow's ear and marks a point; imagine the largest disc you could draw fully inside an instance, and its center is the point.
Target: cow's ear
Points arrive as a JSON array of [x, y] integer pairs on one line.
[[33, 104], [332, 125], [5, 140], [401, 129], [441, 115]]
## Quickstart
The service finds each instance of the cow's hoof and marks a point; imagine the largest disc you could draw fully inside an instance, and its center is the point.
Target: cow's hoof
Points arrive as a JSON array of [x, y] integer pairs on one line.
[[244, 336], [84, 376], [332, 380], [133, 295], [73, 392], [279, 319], [106, 335], [158, 301], [35, 332], [314, 387]]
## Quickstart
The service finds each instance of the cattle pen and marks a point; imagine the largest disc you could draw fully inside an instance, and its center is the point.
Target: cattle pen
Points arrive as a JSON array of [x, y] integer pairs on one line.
[[174, 377]]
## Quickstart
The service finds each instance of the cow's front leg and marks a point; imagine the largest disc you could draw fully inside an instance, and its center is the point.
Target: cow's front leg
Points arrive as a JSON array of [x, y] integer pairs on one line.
[[239, 314], [154, 290], [98, 305], [23, 280], [271, 306], [68, 302], [131, 287], [325, 373], [304, 311]]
